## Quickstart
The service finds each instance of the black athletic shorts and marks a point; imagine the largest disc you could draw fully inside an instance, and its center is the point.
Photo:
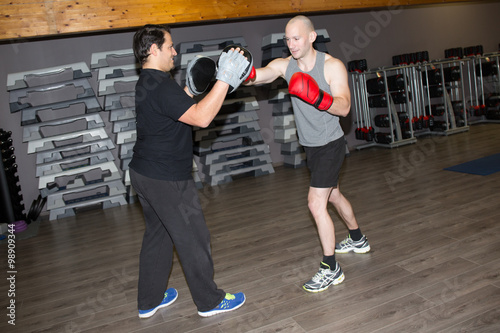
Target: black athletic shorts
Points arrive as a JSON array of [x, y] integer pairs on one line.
[[324, 163]]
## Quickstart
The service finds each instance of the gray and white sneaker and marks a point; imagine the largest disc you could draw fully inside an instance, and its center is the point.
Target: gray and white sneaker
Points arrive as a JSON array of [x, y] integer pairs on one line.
[[324, 278], [348, 245]]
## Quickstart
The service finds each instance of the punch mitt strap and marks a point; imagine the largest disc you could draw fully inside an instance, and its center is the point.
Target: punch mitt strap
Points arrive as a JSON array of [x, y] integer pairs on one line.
[[233, 67], [199, 74]]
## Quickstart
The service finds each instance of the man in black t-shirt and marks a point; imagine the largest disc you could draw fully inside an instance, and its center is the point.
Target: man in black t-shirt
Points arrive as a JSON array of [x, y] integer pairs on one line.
[[160, 173]]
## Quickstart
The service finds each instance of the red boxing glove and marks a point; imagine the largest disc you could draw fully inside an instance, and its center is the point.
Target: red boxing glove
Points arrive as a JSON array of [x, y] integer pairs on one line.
[[251, 76], [303, 86]]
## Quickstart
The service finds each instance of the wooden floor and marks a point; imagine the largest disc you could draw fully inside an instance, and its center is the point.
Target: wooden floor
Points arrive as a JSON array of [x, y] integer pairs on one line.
[[434, 264]]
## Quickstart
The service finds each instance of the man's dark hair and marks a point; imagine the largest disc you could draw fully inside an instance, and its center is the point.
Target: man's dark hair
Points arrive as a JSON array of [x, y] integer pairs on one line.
[[145, 37]]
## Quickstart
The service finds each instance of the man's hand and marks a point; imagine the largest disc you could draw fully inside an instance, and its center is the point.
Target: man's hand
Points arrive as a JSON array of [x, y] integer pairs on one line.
[[234, 66]]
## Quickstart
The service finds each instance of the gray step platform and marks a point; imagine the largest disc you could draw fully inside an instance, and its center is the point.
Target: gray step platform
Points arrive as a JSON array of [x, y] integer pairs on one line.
[[227, 177], [63, 139], [119, 101], [122, 114], [124, 125], [126, 137], [185, 58], [59, 110], [73, 162], [229, 154], [234, 105], [49, 94], [202, 148], [124, 162], [284, 108], [285, 121], [70, 210], [61, 153], [285, 135], [273, 53], [295, 161], [89, 192], [126, 150], [225, 130], [41, 130], [117, 85], [126, 178], [112, 58], [291, 148], [80, 177], [279, 96], [231, 165], [49, 75], [118, 71], [233, 118], [200, 46]]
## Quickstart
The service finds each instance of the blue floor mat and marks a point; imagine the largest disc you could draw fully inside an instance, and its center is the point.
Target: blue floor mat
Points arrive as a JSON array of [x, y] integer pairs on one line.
[[482, 166]]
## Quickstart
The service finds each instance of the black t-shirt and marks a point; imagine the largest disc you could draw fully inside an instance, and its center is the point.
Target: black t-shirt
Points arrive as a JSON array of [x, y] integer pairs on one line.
[[164, 146]]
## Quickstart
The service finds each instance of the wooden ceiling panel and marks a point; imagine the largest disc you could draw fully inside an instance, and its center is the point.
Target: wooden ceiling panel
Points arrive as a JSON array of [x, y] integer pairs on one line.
[[38, 18]]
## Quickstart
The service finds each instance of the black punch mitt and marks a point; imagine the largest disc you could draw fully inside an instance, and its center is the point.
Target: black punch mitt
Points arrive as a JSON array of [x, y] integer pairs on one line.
[[199, 74]]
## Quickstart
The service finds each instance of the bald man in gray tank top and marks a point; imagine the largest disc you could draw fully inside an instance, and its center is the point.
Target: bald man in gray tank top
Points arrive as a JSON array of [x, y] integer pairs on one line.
[[320, 94]]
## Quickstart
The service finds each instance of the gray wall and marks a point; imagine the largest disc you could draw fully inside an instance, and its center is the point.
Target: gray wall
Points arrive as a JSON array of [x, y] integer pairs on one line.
[[372, 35]]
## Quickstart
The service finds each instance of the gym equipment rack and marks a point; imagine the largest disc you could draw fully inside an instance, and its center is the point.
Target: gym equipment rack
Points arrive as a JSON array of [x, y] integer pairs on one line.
[[11, 204], [418, 99], [448, 90], [373, 94], [483, 105]]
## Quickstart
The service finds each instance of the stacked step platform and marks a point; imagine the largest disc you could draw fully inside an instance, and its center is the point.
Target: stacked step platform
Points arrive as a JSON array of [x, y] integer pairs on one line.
[[232, 146], [63, 127]]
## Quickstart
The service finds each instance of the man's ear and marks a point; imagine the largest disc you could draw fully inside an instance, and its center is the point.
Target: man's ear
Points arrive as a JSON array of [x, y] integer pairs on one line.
[[154, 50], [312, 36]]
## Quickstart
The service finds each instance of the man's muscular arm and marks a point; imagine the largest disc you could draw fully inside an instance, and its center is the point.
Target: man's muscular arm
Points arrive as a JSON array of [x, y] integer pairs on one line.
[[337, 77], [268, 74], [202, 113]]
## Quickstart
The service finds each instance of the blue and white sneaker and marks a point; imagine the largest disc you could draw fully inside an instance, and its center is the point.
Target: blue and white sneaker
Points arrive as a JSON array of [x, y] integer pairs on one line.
[[229, 303], [324, 278], [169, 297]]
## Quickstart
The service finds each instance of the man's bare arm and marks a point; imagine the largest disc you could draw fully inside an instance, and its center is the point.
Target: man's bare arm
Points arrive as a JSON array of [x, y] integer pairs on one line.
[[202, 113], [271, 72], [337, 77]]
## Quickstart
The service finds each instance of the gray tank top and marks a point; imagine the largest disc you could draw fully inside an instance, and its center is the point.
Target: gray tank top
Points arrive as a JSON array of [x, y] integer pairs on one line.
[[314, 127]]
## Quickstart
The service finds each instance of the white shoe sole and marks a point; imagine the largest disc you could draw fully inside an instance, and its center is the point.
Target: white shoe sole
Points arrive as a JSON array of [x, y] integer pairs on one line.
[[213, 313], [335, 282]]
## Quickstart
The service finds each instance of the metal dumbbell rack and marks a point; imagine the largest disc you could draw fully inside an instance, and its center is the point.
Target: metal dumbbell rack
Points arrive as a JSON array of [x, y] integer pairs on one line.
[[395, 101], [483, 103], [395, 105], [444, 95], [11, 203]]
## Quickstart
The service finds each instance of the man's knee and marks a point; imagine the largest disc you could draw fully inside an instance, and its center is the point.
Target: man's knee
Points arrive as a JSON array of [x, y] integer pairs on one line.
[[317, 202], [335, 196]]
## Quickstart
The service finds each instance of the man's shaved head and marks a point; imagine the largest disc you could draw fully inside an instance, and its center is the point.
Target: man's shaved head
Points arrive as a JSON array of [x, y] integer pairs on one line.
[[305, 20]]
